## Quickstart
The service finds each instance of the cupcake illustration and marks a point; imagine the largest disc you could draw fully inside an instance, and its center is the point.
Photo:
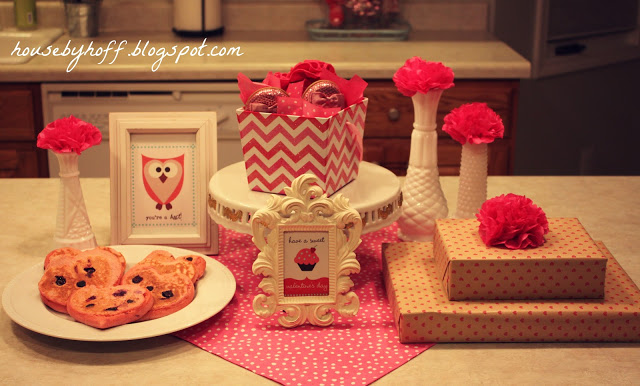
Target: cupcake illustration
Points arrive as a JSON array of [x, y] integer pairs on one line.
[[306, 259]]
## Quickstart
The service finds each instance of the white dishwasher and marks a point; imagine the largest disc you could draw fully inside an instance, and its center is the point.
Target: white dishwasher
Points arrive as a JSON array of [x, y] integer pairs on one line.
[[92, 102]]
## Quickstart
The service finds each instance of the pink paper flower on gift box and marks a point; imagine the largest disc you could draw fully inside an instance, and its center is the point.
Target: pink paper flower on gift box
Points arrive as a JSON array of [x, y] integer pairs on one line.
[[418, 75], [473, 123], [512, 221], [69, 135]]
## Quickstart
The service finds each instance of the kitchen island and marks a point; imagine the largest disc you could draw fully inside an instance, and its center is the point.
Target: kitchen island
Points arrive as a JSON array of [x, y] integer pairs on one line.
[[608, 207]]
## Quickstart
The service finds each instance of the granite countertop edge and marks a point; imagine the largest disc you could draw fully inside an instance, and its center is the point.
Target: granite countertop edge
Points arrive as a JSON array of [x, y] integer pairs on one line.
[[470, 57]]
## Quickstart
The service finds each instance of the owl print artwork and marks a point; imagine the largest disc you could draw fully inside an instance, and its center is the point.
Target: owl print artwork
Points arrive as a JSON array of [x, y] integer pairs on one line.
[[163, 179]]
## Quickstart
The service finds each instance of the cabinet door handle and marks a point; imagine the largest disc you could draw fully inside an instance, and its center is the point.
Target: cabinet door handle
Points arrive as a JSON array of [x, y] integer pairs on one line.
[[394, 114]]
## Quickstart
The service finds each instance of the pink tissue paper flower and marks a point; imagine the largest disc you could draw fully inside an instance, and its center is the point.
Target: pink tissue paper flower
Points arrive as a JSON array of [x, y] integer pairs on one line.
[[68, 135], [418, 75], [512, 221], [474, 123]]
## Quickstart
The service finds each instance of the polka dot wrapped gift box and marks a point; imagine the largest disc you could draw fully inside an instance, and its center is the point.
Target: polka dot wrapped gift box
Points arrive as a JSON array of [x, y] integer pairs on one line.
[[423, 313], [569, 265]]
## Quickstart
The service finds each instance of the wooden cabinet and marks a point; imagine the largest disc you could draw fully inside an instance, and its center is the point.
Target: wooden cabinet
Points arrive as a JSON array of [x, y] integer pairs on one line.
[[20, 122], [387, 136], [389, 123]]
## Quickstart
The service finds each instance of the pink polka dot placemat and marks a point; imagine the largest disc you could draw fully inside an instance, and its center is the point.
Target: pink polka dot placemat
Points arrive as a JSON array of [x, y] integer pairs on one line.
[[353, 351]]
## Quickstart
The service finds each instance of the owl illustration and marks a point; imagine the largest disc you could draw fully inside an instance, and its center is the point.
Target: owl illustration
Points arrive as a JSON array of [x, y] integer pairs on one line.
[[163, 178]]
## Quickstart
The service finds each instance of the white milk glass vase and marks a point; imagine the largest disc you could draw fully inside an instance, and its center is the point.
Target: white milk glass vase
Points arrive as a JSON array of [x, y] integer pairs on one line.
[[472, 186], [72, 224], [423, 200]]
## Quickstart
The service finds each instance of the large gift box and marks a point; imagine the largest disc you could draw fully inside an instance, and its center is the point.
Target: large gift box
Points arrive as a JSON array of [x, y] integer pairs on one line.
[[568, 265], [278, 148], [422, 312]]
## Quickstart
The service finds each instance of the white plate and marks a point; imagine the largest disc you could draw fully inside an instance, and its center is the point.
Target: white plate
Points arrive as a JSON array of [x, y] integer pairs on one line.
[[21, 301]]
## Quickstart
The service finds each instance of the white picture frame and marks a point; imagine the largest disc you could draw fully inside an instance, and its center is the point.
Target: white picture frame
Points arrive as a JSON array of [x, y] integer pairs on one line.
[[307, 248], [160, 167]]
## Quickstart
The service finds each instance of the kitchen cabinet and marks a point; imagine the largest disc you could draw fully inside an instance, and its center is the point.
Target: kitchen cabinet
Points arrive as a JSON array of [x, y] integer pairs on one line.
[[20, 122], [387, 135], [389, 123]]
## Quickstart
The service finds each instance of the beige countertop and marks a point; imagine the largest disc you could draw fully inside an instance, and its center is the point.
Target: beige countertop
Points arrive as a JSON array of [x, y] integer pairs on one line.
[[472, 55], [608, 207]]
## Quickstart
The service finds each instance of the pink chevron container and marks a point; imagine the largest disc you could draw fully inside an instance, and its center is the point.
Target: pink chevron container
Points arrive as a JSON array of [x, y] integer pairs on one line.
[[278, 148]]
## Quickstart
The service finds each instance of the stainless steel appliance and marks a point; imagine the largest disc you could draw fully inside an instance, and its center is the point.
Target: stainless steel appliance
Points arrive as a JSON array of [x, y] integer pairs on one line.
[[573, 117], [562, 36], [92, 102]]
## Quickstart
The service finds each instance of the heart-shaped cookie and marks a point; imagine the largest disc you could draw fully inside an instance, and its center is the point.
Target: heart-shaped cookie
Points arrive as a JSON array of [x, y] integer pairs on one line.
[[172, 291], [65, 274], [198, 262], [193, 266], [105, 307], [60, 256]]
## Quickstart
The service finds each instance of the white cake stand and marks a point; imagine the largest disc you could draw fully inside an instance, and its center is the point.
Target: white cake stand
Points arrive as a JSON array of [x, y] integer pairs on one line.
[[375, 194]]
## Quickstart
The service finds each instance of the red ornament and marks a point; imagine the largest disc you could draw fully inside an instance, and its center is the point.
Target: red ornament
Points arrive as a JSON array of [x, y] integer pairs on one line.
[[324, 93], [265, 99], [336, 14]]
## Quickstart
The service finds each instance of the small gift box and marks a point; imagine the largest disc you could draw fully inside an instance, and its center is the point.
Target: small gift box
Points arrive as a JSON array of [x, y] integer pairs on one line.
[[306, 121], [422, 312], [568, 265]]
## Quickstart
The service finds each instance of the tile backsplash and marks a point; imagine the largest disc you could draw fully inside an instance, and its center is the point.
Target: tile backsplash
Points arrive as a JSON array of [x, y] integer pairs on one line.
[[260, 15]]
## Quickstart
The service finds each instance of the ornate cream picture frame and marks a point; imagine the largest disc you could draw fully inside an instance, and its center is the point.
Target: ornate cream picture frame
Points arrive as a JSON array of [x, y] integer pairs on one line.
[[307, 243], [160, 164]]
